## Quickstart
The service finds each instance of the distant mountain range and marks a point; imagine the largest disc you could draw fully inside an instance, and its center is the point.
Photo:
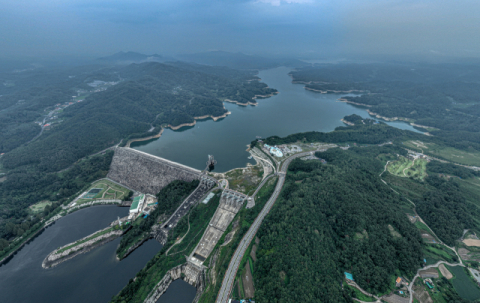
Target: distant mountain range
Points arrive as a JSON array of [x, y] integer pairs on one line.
[[239, 60], [214, 58], [132, 57]]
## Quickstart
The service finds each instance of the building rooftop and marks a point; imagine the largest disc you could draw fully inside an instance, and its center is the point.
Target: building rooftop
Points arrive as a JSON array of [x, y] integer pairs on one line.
[[135, 202]]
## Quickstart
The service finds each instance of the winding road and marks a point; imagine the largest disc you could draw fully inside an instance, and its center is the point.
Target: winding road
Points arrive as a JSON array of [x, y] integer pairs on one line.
[[229, 279]]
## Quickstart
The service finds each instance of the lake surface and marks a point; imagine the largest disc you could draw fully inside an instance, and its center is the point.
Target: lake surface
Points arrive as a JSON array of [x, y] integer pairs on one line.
[[291, 111], [92, 277]]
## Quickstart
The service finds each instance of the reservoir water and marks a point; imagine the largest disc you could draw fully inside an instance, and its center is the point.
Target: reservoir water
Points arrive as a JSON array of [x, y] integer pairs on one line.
[[293, 110]]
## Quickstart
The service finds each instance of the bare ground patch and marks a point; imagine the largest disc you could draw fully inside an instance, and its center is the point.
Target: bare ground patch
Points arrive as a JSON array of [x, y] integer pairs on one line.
[[429, 273], [445, 272], [393, 232], [253, 253], [472, 242], [422, 295], [393, 298], [247, 280]]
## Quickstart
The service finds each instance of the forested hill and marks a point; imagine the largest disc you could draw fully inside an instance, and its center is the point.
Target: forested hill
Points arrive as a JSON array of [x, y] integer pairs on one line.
[[110, 104], [151, 94], [444, 97], [330, 219]]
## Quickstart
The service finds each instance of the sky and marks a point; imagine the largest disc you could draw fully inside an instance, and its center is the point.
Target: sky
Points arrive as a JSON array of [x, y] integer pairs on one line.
[[300, 28]]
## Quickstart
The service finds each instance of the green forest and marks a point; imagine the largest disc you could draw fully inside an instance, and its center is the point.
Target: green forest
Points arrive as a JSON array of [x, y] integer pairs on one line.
[[444, 97], [330, 219], [143, 95], [23, 187]]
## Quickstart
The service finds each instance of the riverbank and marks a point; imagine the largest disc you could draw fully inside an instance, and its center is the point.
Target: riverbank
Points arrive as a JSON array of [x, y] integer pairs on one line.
[[386, 118], [351, 102], [352, 91], [81, 246], [198, 118], [241, 104], [346, 122], [145, 139], [22, 244]]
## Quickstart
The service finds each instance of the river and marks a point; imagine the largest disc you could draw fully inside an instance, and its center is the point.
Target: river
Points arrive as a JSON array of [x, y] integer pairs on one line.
[[291, 111], [92, 277]]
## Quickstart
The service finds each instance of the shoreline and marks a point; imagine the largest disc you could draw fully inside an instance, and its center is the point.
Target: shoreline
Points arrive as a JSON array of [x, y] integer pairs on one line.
[[198, 118], [352, 91], [241, 104], [54, 258], [347, 123], [386, 118], [351, 102], [4, 259], [145, 139]]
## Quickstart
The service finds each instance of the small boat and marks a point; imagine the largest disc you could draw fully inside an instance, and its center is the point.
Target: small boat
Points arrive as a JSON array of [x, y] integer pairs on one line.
[[250, 157]]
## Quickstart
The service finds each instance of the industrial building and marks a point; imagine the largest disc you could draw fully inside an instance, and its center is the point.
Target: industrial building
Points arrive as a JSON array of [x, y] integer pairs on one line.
[[274, 151], [137, 204]]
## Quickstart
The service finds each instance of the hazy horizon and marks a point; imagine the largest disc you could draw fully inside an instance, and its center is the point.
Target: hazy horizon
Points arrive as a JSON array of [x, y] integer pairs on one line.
[[298, 28]]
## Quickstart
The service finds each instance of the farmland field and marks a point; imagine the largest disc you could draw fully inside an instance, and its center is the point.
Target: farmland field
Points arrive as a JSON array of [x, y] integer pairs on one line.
[[465, 286], [447, 153]]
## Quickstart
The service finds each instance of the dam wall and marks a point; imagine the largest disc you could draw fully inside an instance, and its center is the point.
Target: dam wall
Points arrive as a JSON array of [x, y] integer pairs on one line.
[[146, 173]]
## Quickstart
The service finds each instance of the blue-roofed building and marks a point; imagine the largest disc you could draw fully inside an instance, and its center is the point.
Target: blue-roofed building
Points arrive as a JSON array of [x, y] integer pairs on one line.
[[349, 276]]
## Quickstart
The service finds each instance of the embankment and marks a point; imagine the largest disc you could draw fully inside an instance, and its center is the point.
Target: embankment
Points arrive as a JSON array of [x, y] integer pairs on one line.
[[188, 272], [133, 247], [81, 246], [351, 102], [145, 139], [199, 118], [329, 91]]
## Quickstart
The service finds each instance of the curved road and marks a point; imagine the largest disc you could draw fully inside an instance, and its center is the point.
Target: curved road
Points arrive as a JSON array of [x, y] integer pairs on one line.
[[229, 279]]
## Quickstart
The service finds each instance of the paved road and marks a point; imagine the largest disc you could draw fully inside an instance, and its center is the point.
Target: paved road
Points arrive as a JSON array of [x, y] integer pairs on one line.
[[229, 279]]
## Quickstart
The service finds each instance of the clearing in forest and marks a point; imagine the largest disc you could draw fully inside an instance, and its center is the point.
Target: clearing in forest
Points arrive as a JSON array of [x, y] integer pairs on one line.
[[39, 207], [404, 167]]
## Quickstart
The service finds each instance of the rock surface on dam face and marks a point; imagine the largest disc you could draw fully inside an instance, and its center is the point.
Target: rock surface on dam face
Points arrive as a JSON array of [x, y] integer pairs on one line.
[[146, 173]]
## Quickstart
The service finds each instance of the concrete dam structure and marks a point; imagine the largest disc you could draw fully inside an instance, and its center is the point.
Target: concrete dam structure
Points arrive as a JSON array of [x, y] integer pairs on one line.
[[146, 173]]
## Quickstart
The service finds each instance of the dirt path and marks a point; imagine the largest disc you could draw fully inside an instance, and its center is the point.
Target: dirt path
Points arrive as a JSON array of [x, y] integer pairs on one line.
[[181, 239], [413, 163], [353, 284]]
